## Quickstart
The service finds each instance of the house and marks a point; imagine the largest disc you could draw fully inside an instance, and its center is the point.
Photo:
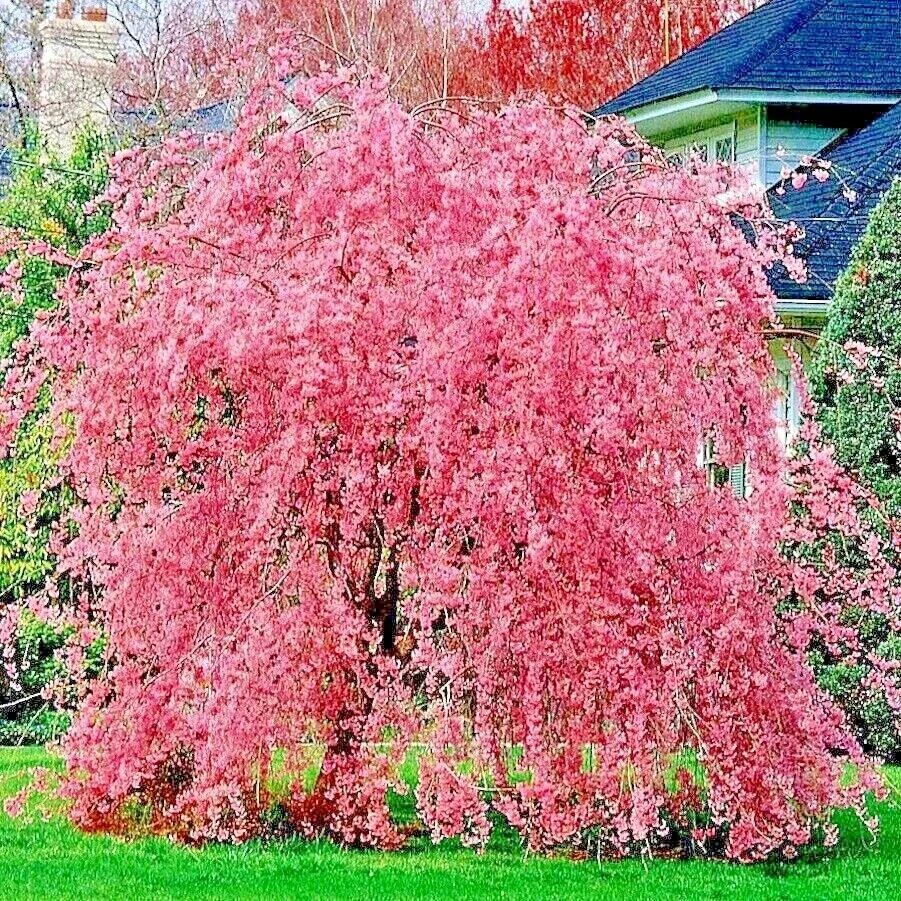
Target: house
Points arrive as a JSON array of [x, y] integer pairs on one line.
[[792, 79]]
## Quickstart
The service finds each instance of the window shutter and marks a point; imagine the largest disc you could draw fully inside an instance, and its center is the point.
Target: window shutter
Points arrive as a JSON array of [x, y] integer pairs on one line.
[[738, 480]]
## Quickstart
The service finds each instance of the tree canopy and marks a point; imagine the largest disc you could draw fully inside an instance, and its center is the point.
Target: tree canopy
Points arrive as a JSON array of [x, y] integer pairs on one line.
[[856, 371], [586, 51], [385, 430], [855, 379], [43, 207]]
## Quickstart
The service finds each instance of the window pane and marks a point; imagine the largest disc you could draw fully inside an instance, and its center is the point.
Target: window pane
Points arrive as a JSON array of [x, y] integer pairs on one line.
[[725, 150], [699, 150]]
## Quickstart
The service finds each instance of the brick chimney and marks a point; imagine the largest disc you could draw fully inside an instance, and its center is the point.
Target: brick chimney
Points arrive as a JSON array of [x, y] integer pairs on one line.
[[78, 63]]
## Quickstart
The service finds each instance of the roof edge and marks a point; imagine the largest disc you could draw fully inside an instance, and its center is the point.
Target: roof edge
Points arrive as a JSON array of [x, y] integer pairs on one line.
[[812, 96], [662, 106], [699, 96], [803, 306]]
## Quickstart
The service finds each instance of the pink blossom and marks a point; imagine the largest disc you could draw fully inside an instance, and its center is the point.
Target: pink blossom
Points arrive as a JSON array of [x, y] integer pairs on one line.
[[29, 502]]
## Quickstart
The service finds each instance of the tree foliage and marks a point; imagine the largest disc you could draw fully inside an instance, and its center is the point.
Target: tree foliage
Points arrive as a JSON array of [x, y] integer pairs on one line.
[[421, 46], [856, 372], [856, 384], [179, 55], [43, 209], [587, 51], [385, 432], [173, 60], [584, 51]]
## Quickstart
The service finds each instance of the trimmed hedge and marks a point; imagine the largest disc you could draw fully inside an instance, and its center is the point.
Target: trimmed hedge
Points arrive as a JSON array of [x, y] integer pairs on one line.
[[857, 395]]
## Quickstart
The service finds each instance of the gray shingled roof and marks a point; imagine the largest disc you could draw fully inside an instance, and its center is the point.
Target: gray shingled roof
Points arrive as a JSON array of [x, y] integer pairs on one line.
[[787, 45], [866, 162]]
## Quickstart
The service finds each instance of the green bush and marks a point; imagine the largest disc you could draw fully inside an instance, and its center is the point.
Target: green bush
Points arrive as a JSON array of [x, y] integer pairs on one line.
[[45, 201], [857, 395], [857, 404], [35, 721]]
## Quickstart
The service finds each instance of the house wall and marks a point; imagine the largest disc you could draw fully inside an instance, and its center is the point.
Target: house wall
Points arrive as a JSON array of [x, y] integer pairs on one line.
[[746, 132], [796, 135], [761, 130], [747, 145]]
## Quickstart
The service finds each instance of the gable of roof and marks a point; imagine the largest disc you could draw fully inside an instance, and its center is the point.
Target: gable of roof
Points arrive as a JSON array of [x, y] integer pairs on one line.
[[865, 162], [787, 45]]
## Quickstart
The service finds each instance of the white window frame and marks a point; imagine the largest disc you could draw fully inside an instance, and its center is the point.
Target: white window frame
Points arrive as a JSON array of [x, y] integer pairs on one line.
[[788, 405], [684, 147]]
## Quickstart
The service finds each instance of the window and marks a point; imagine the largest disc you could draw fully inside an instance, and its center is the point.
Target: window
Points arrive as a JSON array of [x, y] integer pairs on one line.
[[735, 476], [788, 420], [714, 144], [787, 412], [725, 149]]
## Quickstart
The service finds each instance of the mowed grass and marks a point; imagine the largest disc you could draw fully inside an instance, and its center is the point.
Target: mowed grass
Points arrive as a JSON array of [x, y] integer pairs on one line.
[[48, 860]]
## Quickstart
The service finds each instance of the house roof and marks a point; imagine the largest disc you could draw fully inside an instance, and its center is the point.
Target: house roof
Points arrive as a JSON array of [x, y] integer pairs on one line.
[[216, 117], [850, 46], [866, 162]]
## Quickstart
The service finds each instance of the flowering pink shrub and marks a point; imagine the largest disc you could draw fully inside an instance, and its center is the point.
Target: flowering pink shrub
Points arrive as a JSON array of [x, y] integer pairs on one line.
[[387, 428], [841, 553]]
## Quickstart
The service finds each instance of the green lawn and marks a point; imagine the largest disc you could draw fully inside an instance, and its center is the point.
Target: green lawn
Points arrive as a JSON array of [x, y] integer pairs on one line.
[[46, 860]]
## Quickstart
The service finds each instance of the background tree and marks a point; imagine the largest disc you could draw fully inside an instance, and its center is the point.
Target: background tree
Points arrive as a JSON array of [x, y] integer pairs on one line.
[[856, 372], [856, 386], [418, 44], [586, 51], [45, 203], [177, 57], [19, 57]]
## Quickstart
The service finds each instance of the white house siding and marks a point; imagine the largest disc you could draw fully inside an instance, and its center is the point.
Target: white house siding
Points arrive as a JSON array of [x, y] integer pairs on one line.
[[745, 125], [795, 139], [748, 146]]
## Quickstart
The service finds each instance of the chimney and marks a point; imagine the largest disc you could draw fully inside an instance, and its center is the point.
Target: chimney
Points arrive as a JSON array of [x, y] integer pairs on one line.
[[78, 64]]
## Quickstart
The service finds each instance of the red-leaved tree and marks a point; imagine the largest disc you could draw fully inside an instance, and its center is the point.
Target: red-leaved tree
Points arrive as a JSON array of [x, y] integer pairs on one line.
[[181, 55], [586, 51], [386, 431]]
